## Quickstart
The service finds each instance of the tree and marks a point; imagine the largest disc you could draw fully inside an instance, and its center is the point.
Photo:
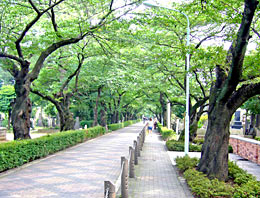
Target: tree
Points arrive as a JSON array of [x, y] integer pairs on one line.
[[32, 36], [226, 96]]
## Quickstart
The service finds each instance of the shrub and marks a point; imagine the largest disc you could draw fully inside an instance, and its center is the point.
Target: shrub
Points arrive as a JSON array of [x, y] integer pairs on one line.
[[204, 187], [116, 126], [17, 153], [185, 163], [245, 184], [237, 174], [174, 145], [165, 132], [89, 123], [257, 138]]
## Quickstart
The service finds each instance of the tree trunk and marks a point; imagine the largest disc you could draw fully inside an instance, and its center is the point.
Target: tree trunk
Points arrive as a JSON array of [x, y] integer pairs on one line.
[[21, 110], [214, 156], [252, 120], [66, 119], [257, 123], [95, 122], [103, 115]]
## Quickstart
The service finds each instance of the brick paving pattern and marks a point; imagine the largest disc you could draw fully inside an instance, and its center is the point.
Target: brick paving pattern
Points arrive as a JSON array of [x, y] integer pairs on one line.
[[155, 175], [76, 172]]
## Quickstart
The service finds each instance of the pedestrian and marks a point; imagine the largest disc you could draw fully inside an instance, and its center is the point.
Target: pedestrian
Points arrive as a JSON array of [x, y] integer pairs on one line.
[[150, 126], [155, 123]]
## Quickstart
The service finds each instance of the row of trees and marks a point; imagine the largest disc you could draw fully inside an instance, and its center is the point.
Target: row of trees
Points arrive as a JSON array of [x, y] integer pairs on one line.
[[111, 59]]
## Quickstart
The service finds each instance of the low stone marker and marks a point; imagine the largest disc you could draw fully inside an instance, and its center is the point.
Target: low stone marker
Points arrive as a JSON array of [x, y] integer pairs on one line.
[[2, 133]]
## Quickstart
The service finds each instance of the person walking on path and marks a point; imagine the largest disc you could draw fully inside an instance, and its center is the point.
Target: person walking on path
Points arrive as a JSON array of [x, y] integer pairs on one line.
[[150, 126]]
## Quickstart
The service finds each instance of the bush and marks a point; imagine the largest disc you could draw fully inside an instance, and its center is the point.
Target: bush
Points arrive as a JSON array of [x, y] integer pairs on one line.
[[174, 145], [185, 163], [204, 187], [116, 126], [89, 123], [17, 153], [245, 185], [257, 138], [165, 132]]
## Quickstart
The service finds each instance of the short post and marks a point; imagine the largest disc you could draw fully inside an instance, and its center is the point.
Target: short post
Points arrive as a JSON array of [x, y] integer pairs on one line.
[[141, 141], [110, 190], [138, 146], [131, 163], [124, 177], [136, 152], [144, 133]]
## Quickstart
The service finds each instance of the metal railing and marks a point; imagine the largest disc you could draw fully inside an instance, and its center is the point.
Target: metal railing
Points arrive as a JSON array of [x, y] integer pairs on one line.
[[127, 169]]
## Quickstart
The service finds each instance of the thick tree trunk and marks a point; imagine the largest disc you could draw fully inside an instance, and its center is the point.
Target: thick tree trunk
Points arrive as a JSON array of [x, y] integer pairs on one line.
[[214, 156], [67, 121], [21, 110]]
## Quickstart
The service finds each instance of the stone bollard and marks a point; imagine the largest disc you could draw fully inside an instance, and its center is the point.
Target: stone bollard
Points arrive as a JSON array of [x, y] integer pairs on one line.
[[136, 152], [138, 146], [110, 190], [124, 178], [2, 133], [141, 141], [131, 163]]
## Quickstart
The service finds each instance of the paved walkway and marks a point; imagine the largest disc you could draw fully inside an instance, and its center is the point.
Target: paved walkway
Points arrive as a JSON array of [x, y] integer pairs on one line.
[[155, 175], [74, 173]]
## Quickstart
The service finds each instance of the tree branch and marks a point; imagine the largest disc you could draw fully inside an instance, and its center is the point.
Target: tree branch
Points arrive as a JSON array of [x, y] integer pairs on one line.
[[242, 95], [28, 26], [237, 51]]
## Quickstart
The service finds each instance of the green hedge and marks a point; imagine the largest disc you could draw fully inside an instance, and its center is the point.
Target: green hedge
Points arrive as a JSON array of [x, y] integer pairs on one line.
[[113, 127], [89, 123], [245, 185], [17, 153], [174, 145], [257, 138], [166, 133]]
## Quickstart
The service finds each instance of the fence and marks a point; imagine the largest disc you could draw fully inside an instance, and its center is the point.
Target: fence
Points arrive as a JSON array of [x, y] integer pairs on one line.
[[127, 169]]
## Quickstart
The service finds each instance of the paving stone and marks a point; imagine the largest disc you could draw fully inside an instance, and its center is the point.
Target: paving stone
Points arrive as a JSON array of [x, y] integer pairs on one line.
[[77, 172], [155, 175]]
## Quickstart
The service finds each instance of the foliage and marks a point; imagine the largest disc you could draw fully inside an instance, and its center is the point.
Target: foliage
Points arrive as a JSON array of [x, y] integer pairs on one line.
[[7, 95], [206, 188], [89, 123], [252, 105], [245, 185], [257, 138], [166, 133], [17, 153], [239, 175], [117, 126], [202, 120], [174, 145], [186, 162]]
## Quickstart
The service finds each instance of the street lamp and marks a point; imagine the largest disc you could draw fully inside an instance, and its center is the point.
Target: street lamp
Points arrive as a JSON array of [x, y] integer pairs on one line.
[[186, 147]]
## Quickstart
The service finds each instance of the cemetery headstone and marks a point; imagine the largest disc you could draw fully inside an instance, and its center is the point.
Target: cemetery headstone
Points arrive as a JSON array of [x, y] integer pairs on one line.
[[237, 122], [77, 124]]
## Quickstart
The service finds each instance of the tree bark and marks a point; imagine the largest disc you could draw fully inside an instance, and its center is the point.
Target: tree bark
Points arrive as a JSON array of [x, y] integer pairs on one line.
[[214, 155], [95, 122], [22, 108]]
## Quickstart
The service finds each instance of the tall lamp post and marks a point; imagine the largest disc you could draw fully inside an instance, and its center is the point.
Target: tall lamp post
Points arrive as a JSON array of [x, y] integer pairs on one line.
[[187, 124]]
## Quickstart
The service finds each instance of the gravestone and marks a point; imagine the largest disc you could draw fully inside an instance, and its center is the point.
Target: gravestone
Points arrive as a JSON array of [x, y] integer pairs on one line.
[[237, 121], [2, 133], [77, 125]]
